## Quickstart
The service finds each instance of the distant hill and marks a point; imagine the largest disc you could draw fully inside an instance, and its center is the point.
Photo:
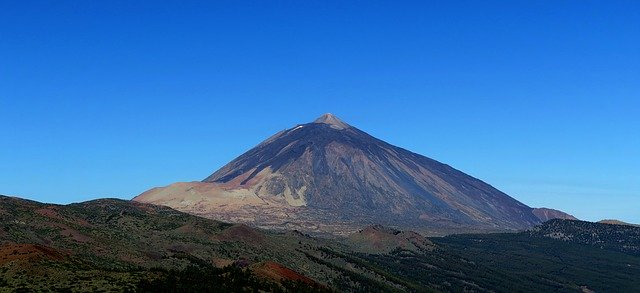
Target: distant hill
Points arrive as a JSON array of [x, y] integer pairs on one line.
[[545, 214], [379, 239], [617, 222], [623, 238], [330, 177]]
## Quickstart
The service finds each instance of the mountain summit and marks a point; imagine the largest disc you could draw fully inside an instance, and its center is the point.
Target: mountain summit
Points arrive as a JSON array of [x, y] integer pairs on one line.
[[328, 176], [332, 120]]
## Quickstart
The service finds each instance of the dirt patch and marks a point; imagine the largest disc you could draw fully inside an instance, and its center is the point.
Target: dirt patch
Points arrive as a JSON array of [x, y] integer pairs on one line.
[[277, 272], [222, 262], [28, 252], [52, 213]]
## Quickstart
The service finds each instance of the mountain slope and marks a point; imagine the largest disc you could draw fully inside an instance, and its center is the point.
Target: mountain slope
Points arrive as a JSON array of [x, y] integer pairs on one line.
[[328, 172]]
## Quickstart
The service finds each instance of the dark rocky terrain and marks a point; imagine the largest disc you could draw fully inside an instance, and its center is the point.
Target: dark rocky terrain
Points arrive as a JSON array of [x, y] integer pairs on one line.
[[330, 177]]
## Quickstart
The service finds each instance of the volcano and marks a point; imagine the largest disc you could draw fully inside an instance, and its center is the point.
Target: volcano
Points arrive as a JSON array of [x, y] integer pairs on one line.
[[328, 176]]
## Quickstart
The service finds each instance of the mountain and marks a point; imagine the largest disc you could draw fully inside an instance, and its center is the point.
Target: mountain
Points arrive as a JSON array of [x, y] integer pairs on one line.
[[545, 214], [328, 176], [125, 246]]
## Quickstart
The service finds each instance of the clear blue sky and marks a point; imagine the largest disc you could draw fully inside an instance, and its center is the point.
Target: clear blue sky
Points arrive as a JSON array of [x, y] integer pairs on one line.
[[111, 98]]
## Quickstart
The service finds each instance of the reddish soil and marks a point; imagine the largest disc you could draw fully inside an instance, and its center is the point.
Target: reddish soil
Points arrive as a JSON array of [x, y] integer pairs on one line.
[[279, 273], [28, 252], [52, 213], [49, 212], [72, 233], [236, 182]]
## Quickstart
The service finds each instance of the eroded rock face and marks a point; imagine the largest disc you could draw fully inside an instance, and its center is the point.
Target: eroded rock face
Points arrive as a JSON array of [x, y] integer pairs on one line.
[[327, 172]]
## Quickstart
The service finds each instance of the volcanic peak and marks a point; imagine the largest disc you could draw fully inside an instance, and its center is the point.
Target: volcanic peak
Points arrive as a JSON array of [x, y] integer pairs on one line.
[[332, 120]]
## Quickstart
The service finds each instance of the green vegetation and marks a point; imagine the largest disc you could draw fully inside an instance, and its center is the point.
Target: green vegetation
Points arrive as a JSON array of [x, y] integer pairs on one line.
[[227, 279], [622, 238], [531, 261], [114, 245]]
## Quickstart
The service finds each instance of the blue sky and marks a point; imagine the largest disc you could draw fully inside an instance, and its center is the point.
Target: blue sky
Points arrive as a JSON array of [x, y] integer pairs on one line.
[[111, 98]]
